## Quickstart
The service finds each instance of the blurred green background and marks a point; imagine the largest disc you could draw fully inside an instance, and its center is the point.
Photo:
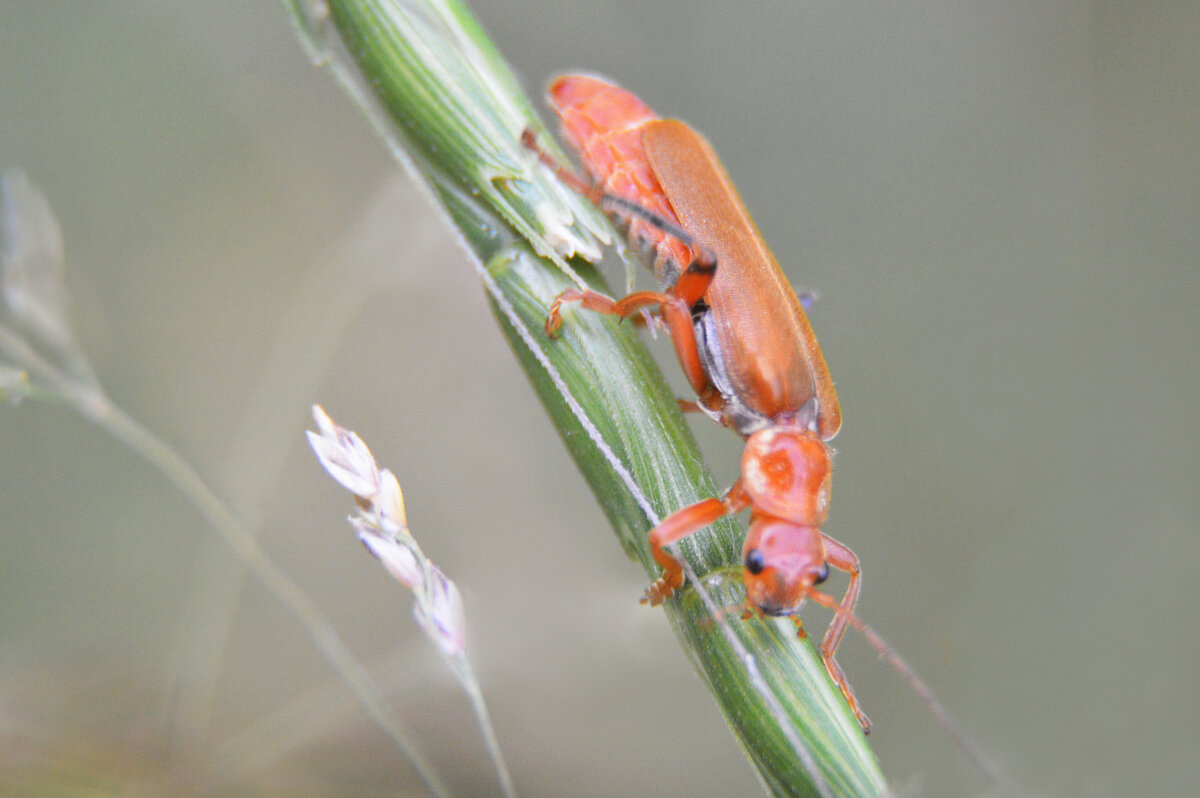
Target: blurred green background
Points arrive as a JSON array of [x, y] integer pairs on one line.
[[998, 205]]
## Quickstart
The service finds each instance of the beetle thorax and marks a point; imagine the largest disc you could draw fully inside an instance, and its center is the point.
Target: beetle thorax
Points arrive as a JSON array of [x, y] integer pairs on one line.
[[786, 471]]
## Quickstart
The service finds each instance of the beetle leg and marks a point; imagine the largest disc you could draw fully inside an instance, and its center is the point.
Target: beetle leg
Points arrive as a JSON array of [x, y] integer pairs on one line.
[[676, 313], [588, 299], [589, 190], [694, 281], [677, 526], [625, 307], [704, 263], [801, 632], [842, 558]]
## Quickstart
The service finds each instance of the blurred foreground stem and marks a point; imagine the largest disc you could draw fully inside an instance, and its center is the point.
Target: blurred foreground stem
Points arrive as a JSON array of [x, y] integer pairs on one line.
[[429, 80], [89, 400]]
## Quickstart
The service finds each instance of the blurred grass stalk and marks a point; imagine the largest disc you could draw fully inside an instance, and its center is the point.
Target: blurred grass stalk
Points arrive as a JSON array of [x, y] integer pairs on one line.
[[429, 80], [40, 360]]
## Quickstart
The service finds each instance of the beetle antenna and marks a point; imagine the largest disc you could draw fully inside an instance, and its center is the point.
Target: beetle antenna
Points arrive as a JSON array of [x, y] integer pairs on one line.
[[949, 725]]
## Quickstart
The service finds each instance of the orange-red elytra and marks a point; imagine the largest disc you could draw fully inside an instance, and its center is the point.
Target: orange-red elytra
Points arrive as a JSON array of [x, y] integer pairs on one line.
[[742, 338]]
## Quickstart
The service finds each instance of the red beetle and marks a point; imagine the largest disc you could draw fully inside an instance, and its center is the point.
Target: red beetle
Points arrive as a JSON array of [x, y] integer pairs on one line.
[[744, 342]]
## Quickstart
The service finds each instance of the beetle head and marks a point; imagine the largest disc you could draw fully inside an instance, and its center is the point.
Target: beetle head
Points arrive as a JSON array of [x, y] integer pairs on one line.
[[783, 561]]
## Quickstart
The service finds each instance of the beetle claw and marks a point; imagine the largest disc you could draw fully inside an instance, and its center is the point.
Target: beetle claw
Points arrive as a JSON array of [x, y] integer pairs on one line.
[[658, 592], [553, 321]]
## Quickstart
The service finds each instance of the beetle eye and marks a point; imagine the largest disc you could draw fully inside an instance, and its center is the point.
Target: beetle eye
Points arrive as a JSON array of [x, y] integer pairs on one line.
[[823, 574], [754, 561]]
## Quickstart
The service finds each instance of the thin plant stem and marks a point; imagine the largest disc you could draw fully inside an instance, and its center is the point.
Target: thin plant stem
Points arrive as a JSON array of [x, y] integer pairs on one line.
[[425, 75], [91, 403], [305, 342], [489, 735], [381, 522]]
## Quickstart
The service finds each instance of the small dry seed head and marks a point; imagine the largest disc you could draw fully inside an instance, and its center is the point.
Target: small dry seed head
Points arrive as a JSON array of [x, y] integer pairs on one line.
[[382, 526], [343, 454]]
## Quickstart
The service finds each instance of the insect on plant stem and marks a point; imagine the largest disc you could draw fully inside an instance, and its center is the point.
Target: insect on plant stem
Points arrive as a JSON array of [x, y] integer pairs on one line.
[[741, 334]]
